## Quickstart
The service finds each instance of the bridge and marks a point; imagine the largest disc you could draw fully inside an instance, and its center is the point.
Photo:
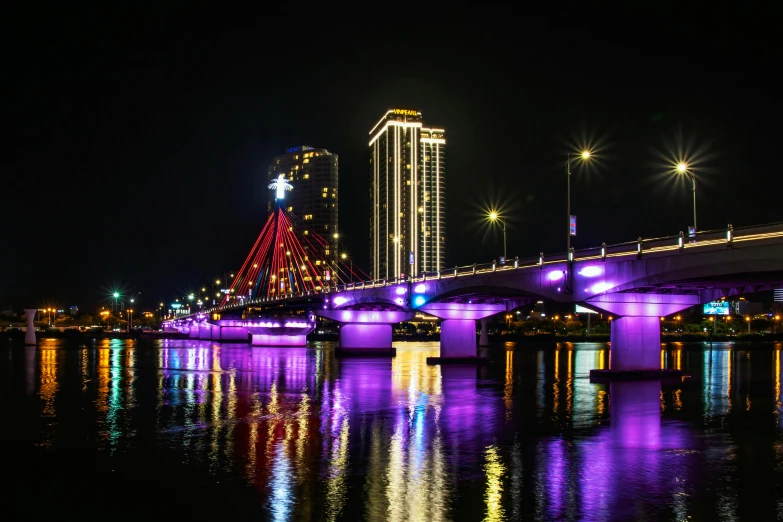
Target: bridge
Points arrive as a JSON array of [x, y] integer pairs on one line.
[[636, 282]]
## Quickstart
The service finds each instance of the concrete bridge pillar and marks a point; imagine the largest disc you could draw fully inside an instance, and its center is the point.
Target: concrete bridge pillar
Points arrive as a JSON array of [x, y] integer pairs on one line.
[[29, 335], [458, 329], [366, 332], [458, 338], [483, 337], [635, 342]]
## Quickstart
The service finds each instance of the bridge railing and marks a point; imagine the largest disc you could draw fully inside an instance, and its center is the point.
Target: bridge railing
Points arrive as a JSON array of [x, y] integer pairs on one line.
[[640, 247]]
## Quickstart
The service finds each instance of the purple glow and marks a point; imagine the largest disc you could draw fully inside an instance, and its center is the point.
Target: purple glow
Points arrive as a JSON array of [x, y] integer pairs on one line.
[[555, 275], [635, 343], [592, 271], [363, 336], [420, 288], [367, 316], [463, 310], [636, 414], [296, 324], [400, 290], [458, 338], [601, 287], [340, 300], [643, 305], [278, 340]]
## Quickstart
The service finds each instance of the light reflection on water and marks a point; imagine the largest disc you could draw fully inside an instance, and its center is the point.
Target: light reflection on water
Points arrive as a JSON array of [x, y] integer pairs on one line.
[[313, 437]]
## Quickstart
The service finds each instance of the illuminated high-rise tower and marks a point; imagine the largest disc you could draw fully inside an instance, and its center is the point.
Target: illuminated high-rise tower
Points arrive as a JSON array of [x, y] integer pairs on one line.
[[407, 196], [314, 172]]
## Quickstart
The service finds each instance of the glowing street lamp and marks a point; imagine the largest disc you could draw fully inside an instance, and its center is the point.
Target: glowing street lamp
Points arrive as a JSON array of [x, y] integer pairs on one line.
[[493, 216], [583, 156], [682, 168]]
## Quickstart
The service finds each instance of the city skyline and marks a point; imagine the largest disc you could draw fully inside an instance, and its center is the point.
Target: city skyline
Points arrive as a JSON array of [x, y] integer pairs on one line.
[[141, 162]]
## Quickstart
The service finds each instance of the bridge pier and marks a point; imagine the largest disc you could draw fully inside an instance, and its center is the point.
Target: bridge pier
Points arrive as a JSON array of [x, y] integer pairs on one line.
[[483, 337], [365, 332], [635, 338], [458, 329]]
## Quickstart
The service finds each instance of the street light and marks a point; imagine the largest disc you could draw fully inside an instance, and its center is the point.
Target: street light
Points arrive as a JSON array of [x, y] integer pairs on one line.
[[583, 156], [493, 216], [682, 168], [747, 318], [344, 256]]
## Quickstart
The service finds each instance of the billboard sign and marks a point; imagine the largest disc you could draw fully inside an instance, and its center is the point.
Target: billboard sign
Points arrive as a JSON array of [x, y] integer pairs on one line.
[[717, 308], [572, 225]]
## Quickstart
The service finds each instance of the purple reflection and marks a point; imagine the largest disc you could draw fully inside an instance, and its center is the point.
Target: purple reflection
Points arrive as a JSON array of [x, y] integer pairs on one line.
[[616, 471], [635, 409], [366, 382]]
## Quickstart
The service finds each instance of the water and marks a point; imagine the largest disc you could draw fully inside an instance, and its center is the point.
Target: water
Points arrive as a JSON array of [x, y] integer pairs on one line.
[[121, 430]]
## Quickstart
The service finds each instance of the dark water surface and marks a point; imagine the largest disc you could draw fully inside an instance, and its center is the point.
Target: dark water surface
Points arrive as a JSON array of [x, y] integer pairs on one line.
[[182, 430]]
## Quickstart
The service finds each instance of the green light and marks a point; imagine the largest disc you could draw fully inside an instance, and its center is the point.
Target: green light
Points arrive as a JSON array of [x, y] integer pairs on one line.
[[116, 295]]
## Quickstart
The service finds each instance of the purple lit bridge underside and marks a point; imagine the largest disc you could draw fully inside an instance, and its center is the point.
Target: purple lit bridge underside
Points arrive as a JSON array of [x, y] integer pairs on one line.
[[636, 286]]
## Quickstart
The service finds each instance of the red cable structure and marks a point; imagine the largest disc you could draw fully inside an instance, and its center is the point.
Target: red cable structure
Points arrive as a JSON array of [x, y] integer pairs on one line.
[[289, 260]]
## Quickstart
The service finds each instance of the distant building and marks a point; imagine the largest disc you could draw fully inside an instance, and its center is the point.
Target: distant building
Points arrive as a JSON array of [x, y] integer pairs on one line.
[[407, 196], [314, 176], [74, 310]]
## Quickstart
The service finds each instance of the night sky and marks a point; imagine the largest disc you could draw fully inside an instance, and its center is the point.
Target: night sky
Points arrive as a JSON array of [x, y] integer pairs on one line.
[[139, 142]]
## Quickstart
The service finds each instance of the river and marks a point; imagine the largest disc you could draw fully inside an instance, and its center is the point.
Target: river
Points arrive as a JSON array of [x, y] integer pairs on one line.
[[122, 429]]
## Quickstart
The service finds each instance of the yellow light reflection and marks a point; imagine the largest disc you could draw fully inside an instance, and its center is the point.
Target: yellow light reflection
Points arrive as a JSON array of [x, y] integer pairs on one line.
[[570, 383], [252, 450], [494, 470], [49, 385], [677, 399], [728, 379], [556, 386], [777, 381], [508, 389], [601, 406], [336, 486]]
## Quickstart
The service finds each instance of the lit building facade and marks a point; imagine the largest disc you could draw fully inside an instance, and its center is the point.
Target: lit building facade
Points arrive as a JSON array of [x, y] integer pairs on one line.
[[407, 196], [313, 174]]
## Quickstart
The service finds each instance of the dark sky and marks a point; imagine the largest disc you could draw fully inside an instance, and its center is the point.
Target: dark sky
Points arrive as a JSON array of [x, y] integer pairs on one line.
[[138, 143]]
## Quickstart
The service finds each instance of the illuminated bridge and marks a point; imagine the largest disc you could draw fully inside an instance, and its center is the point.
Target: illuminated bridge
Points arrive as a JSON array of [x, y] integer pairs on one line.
[[636, 282]]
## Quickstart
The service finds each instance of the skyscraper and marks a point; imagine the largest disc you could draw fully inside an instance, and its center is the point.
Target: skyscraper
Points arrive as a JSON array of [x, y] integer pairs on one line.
[[407, 196], [313, 174]]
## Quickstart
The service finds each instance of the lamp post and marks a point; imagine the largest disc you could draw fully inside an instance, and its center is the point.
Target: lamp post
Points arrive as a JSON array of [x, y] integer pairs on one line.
[[493, 217], [584, 156], [344, 256], [682, 168], [747, 318]]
